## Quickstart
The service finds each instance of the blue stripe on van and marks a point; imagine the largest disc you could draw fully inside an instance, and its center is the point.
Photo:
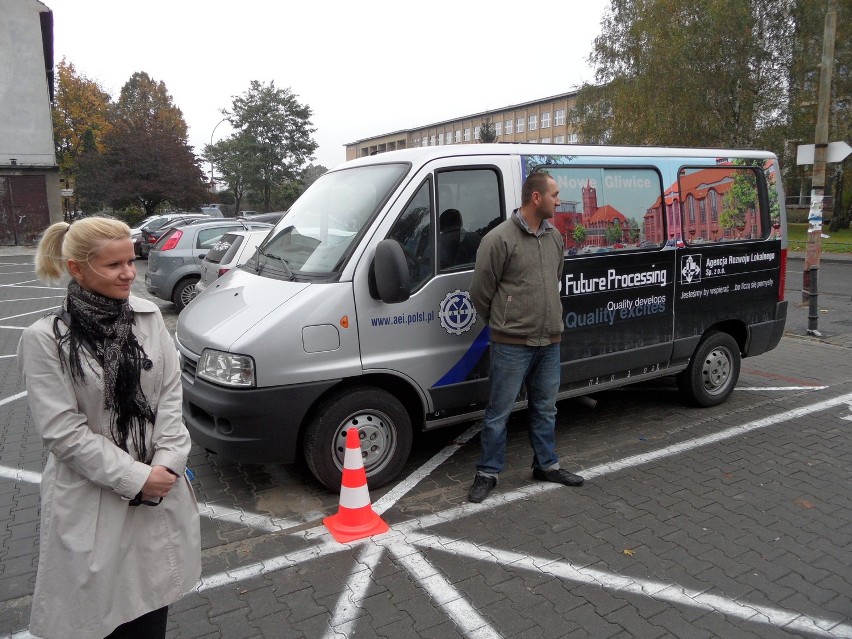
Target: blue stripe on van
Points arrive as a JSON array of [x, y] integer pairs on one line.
[[462, 368]]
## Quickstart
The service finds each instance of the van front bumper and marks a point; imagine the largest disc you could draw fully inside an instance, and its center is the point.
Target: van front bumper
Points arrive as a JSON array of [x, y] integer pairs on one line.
[[251, 425]]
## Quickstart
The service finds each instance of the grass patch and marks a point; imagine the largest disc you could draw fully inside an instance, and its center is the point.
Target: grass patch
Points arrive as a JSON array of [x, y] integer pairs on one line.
[[839, 242]]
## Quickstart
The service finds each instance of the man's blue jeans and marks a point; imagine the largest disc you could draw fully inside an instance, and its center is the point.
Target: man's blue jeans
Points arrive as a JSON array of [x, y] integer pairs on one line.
[[511, 366]]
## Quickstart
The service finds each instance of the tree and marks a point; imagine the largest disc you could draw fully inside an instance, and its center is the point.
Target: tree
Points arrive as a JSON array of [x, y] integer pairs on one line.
[[487, 130], [80, 113], [579, 234], [614, 233], [147, 159], [312, 173], [230, 156], [803, 96], [716, 80], [276, 134]]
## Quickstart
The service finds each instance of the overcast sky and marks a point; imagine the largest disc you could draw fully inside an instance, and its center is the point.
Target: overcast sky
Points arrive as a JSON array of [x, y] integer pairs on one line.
[[364, 68]]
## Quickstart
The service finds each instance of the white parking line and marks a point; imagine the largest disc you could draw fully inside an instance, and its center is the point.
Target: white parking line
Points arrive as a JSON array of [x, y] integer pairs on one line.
[[443, 593], [400, 539], [661, 591], [42, 311], [33, 299], [779, 388], [413, 532]]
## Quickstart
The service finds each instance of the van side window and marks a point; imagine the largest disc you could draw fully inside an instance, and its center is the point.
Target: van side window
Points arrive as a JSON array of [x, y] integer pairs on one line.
[[609, 209], [469, 206], [728, 197], [413, 230]]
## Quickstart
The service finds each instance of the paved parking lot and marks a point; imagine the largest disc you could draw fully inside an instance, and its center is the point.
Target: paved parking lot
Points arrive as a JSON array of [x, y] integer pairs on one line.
[[732, 521]]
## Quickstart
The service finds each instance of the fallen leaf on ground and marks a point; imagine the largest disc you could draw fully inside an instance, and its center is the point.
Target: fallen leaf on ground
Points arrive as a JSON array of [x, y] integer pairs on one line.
[[804, 503], [628, 551]]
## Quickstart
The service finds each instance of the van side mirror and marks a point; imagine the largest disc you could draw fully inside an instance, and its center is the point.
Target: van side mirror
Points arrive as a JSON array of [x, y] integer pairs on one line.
[[389, 278]]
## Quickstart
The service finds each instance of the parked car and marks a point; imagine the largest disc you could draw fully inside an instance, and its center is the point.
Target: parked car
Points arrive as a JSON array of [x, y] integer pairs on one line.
[[174, 263], [232, 250], [150, 237], [271, 217], [212, 210], [149, 223]]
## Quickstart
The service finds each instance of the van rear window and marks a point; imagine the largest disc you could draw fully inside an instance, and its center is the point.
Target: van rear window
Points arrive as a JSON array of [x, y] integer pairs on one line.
[[723, 203]]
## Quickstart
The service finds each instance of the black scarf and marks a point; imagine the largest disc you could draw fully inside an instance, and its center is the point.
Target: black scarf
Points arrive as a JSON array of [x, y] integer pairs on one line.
[[103, 327]]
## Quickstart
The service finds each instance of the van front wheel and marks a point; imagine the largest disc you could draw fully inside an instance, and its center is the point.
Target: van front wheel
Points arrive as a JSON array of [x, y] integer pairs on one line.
[[713, 371], [384, 429]]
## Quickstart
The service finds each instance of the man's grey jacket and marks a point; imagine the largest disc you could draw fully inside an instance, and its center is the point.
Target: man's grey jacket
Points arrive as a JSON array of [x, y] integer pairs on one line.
[[515, 284]]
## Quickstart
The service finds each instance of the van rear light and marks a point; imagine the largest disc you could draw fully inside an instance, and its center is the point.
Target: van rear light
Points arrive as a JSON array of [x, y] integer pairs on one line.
[[222, 271], [782, 280], [172, 241]]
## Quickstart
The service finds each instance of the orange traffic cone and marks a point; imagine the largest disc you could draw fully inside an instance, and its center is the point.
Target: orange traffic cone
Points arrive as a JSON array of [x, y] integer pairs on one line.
[[355, 518]]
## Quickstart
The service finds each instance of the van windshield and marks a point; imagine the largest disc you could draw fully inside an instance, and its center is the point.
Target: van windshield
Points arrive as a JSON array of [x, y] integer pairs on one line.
[[317, 233]]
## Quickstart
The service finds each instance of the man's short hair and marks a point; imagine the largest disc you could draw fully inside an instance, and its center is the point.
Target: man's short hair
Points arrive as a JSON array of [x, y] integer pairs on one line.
[[536, 182]]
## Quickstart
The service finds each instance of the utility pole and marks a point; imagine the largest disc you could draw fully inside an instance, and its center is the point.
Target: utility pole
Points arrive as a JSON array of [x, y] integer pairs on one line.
[[810, 289]]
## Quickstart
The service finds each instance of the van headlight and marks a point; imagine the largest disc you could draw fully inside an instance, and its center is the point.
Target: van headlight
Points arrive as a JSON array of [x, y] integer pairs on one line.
[[227, 369]]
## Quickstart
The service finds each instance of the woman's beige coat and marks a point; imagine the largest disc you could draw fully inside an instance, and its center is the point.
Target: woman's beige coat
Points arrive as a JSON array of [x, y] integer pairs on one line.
[[102, 562]]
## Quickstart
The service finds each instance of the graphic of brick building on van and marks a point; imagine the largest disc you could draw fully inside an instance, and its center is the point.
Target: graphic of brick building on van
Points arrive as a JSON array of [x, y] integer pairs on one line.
[[595, 220], [710, 210]]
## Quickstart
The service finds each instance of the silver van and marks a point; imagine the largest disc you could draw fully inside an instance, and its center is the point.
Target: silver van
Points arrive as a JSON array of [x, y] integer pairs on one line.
[[355, 310]]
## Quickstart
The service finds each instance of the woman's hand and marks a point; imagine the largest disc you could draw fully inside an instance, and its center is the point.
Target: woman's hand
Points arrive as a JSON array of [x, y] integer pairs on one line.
[[159, 482]]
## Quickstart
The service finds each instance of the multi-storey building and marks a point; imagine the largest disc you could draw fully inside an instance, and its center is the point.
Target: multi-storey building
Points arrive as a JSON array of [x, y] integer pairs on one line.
[[29, 176], [544, 120]]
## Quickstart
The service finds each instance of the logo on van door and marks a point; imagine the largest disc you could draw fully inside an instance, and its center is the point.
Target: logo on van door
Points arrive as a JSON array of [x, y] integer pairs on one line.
[[690, 269], [457, 312]]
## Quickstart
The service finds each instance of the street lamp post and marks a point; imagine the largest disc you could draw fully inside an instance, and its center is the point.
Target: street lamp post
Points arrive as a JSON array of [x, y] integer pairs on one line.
[[212, 183]]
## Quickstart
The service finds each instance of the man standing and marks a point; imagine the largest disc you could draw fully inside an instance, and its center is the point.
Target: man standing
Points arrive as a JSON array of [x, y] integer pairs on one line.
[[516, 290]]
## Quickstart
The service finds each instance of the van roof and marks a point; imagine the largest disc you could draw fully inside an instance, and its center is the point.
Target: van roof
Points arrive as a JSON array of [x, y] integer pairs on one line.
[[425, 153]]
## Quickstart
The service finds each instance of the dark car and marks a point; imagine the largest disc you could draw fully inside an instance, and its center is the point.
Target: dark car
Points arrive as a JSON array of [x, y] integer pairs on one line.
[[270, 218], [174, 264]]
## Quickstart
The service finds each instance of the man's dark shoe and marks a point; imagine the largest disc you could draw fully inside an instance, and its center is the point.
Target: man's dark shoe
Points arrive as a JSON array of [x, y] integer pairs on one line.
[[482, 485], [558, 476]]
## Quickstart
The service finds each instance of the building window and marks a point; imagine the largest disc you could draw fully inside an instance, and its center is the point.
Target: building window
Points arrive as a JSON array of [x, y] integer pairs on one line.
[[476, 133], [532, 141], [425, 141], [458, 136], [533, 123], [432, 141], [559, 139], [448, 138], [545, 140], [519, 125], [467, 134], [545, 120], [498, 128], [508, 127], [559, 119], [572, 138]]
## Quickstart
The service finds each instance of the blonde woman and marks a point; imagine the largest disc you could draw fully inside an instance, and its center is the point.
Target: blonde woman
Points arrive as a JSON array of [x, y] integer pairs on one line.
[[119, 537]]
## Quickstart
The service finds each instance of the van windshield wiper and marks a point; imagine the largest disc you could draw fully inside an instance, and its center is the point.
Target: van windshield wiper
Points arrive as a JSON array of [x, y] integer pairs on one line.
[[286, 266]]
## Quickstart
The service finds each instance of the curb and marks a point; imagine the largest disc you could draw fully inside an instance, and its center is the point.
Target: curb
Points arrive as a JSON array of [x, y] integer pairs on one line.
[[836, 258]]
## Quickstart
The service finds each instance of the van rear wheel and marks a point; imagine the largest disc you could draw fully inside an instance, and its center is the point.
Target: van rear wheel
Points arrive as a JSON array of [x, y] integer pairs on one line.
[[713, 371], [384, 428]]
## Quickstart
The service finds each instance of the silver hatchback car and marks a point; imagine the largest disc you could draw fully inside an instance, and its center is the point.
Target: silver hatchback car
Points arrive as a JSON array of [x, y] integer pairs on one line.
[[174, 264]]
